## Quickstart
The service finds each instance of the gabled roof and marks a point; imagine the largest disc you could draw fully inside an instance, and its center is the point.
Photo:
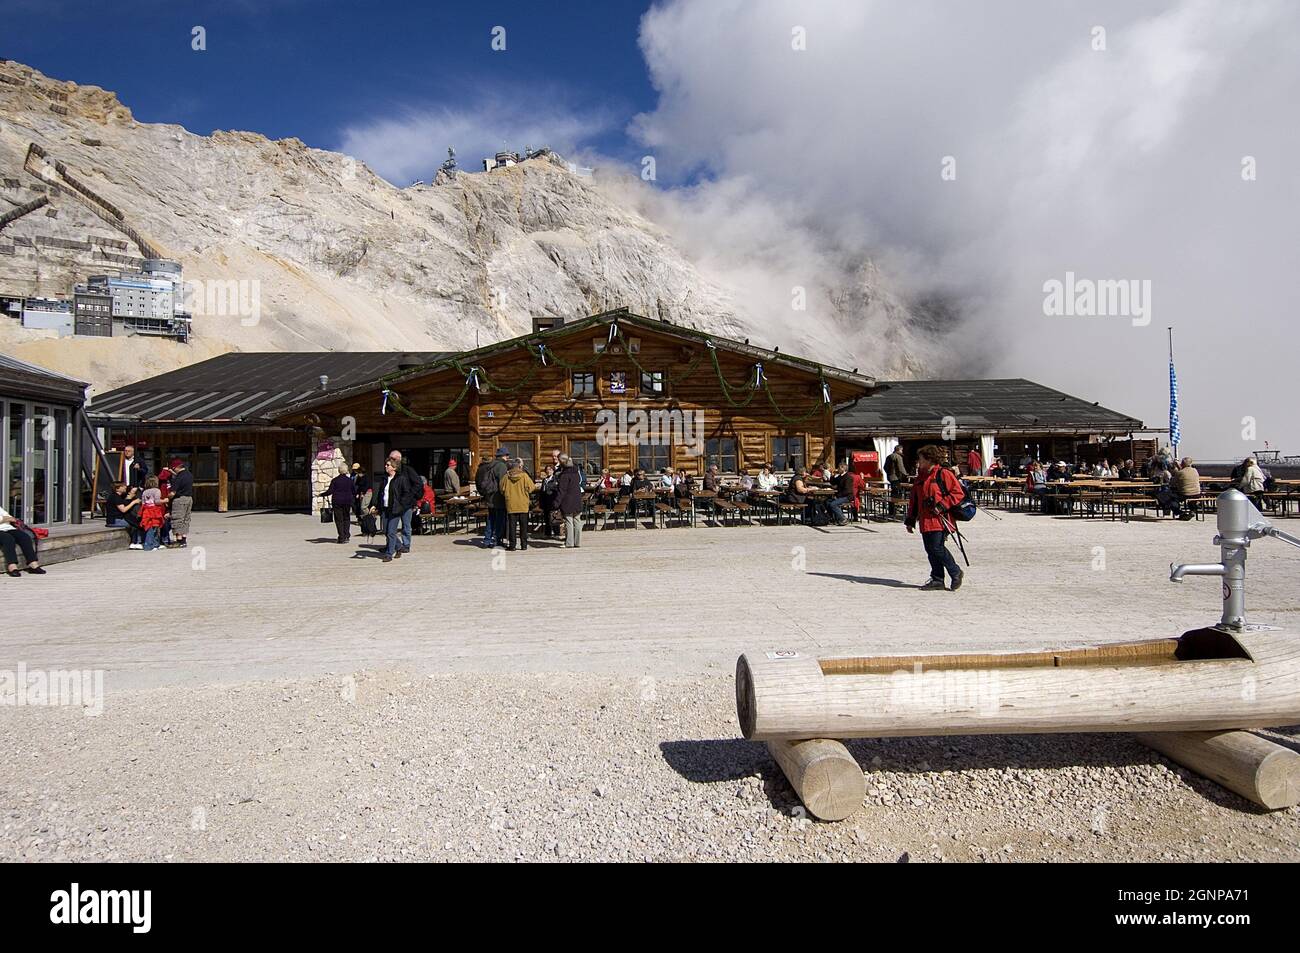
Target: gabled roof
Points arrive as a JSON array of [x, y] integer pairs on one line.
[[624, 317], [246, 387], [20, 379], [1012, 405]]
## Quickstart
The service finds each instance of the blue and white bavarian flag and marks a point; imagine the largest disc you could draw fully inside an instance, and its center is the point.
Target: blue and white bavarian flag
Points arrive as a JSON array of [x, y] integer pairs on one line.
[[1175, 432]]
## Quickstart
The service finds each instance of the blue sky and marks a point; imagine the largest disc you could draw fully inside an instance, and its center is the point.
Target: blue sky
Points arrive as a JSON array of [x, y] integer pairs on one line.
[[318, 68]]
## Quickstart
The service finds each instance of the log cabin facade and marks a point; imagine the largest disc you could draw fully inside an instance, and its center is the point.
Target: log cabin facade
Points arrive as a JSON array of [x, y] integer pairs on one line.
[[269, 430], [615, 390]]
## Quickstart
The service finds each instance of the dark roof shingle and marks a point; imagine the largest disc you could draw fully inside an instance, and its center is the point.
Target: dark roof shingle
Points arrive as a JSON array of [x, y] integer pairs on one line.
[[919, 407], [247, 387]]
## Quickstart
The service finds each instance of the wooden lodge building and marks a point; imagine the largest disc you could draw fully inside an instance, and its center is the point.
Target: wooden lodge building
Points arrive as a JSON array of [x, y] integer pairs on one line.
[[259, 430], [614, 390]]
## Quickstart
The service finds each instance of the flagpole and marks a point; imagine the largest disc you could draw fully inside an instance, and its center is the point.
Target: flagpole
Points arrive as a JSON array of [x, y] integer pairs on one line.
[[1174, 425]]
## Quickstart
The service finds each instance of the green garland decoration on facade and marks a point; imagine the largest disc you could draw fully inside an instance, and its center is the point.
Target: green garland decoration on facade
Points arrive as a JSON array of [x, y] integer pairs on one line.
[[817, 408], [541, 356], [397, 403], [726, 390]]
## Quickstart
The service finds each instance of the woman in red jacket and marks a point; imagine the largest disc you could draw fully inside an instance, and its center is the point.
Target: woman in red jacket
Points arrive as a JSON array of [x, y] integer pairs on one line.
[[934, 491]]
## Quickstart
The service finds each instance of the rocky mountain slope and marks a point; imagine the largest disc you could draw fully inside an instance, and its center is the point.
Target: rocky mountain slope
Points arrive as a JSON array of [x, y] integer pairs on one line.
[[343, 260]]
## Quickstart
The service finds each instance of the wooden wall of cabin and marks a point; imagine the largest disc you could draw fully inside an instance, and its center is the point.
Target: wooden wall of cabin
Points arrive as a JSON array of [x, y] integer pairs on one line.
[[266, 490], [504, 417]]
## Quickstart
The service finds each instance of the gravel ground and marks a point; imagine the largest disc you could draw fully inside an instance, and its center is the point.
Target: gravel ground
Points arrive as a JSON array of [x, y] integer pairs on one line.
[[580, 766]]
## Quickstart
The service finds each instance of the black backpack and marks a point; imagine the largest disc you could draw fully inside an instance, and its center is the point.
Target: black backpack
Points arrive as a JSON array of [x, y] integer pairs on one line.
[[486, 480]]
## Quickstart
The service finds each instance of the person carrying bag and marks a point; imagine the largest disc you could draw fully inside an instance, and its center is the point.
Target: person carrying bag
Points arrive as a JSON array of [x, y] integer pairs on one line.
[[935, 494]]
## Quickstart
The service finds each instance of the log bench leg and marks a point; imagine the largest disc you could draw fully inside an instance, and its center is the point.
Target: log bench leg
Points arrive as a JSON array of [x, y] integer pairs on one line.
[[826, 777], [1265, 773]]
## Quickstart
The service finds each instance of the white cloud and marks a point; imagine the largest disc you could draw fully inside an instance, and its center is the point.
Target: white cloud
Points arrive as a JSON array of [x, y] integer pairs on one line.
[[1123, 163]]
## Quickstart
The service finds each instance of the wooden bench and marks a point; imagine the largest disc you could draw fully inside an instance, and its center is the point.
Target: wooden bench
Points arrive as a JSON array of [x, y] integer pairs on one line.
[[1088, 502], [1123, 506], [666, 510], [791, 510], [724, 509]]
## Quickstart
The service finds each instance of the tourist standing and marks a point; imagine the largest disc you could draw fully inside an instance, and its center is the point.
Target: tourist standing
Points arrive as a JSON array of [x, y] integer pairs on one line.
[[389, 504], [496, 501], [15, 537], [569, 499], [451, 479], [342, 496], [974, 463], [134, 471], [153, 514], [934, 492], [409, 490], [896, 473], [517, 490], [182, 502]]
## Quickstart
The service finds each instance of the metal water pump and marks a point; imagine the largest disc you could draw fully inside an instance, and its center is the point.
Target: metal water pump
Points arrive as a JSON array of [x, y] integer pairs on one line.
[[1239, 522]]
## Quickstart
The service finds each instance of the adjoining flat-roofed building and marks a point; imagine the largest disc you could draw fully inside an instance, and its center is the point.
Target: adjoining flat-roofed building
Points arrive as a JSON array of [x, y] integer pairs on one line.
[[1009, 418], [219, 415]]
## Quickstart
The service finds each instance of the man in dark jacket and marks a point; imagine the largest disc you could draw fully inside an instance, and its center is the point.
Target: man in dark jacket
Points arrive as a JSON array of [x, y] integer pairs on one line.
[[845, 493], [134, 470], [408, 487], [488, 479], [896, 473], [181, 494], [342, 497], [569, 499]]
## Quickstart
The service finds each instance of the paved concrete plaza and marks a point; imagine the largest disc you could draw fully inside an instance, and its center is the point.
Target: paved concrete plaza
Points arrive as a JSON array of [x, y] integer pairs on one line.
[[272, 595], [297, 699]]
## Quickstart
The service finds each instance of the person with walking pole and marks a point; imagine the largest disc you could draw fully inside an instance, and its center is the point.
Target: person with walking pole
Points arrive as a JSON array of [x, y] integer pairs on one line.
[[935, 492]]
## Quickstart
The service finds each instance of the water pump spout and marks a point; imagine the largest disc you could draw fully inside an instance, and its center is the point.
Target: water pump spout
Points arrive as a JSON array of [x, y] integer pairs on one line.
[[1176, 573]]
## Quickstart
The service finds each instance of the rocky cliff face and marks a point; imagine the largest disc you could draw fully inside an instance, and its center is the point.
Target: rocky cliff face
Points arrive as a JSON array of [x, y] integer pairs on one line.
[[340, 259]]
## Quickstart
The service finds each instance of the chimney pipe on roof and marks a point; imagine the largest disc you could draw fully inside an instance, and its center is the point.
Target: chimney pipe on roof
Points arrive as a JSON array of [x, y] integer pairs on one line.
[[324, 382]]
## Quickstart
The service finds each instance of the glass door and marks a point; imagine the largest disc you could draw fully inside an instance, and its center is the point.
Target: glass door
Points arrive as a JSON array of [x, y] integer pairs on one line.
[[42, 439], [15, 452], [35, 461]]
